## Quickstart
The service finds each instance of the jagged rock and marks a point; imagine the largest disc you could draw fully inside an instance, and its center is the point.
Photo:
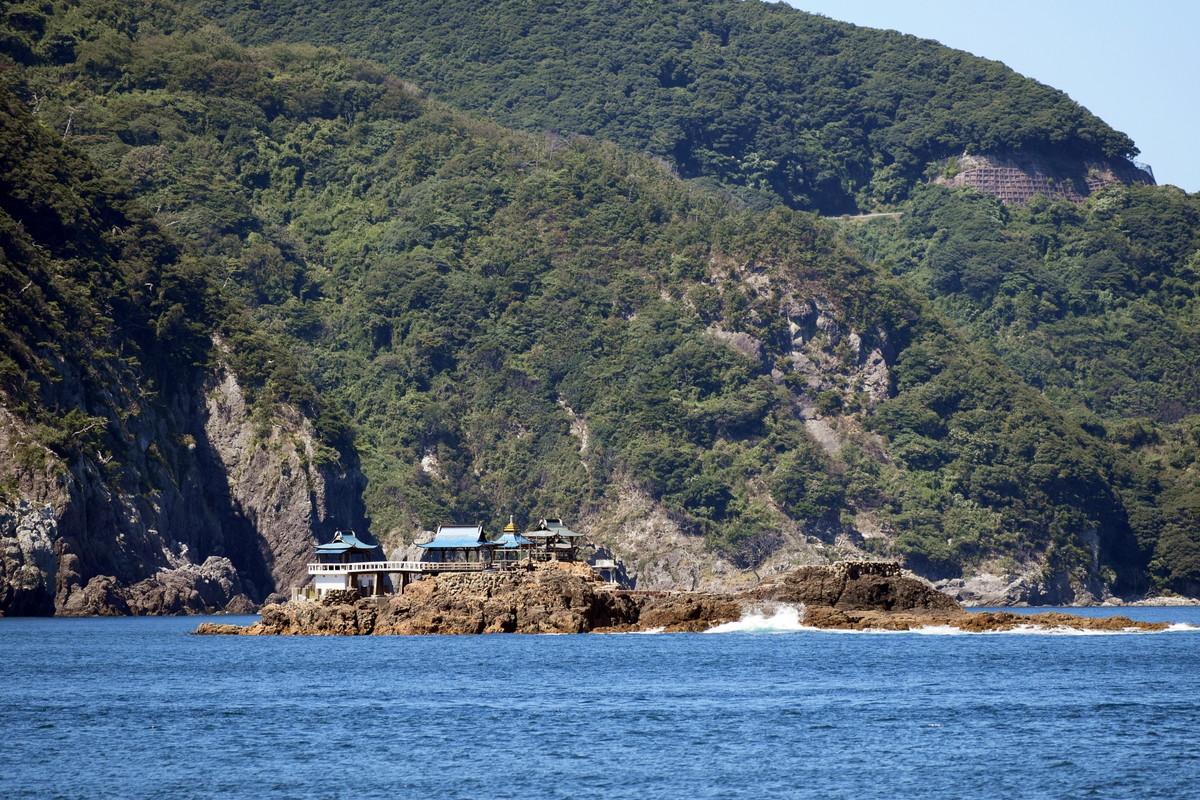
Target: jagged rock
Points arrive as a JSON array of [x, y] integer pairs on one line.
[[543, 600], [240, 604], [312, 619], [187, 589], [216, 629], [741, 342], [1007, 620], [102, 597], [336, 597], [27, 560], [1030, 586], [688, 612], [272, 480]]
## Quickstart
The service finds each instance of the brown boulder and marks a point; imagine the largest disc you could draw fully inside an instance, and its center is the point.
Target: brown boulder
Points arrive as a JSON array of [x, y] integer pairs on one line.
[[217, 629], [690, 613]]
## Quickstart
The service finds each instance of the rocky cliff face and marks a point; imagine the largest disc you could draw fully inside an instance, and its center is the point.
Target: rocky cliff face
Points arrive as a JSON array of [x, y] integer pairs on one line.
[[657, 554], [200, 508], [276, 484]]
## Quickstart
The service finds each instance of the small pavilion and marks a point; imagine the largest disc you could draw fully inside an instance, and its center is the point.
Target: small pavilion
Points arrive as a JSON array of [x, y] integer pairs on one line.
[[338, 559], [345, 548], [459, 544], [511, 547], [554, 541]]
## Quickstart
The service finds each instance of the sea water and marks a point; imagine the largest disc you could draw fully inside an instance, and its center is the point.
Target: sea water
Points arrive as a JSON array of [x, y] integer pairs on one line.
[[138, 708]]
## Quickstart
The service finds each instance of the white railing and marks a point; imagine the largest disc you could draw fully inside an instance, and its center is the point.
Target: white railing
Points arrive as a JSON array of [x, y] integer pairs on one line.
[[398, 566]]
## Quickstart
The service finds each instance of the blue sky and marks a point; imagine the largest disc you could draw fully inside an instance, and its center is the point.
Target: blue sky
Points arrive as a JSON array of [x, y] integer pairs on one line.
[[1134, 65]]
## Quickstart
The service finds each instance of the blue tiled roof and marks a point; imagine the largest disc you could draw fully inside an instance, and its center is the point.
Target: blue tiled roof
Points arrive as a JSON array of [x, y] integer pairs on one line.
[[343, 541], [458, 537], [510, 540]]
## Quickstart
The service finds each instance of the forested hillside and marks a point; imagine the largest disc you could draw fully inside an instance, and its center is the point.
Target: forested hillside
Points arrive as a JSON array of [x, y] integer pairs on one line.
[[1097, 306], [505, 323], [772, 103]]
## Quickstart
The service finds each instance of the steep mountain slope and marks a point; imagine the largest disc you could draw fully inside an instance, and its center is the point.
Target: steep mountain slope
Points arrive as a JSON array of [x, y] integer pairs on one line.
[[780, 104], [133, 477], [518, 324]]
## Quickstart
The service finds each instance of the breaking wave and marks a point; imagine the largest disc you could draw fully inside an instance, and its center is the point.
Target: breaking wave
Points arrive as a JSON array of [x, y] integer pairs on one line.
[[767, 619]]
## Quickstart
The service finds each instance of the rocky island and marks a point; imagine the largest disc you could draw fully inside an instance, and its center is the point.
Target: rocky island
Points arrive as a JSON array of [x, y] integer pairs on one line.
[[570, 598]]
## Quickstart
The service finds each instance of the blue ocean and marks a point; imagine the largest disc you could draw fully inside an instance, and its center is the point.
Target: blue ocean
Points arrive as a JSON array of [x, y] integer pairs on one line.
[[138, 708]]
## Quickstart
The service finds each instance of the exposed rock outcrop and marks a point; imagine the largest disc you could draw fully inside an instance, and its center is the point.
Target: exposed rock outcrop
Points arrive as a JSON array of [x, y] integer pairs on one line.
[[555, 600], [275, 485], [1017, 178], [822, 347], [27, 539], [856, 586], [654, 550], [1030, 584]]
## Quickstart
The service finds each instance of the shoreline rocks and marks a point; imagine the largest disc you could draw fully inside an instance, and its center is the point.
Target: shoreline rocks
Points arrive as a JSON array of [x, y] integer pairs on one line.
[[569, 598]]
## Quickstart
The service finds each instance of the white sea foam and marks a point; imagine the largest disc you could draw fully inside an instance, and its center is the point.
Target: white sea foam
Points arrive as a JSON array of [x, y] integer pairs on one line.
[[927, 630], [780, 618], [630, 633], [1033, 630], [1068, 631], [1021, 630], [770, 618]]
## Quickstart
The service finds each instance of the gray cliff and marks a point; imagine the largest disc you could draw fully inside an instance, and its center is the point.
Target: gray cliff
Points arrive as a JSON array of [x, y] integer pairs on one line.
[[202, 508]]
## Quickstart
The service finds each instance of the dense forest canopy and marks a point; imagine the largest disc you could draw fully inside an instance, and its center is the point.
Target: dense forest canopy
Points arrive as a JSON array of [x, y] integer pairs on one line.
[[1093, 303], [772, 102], [85, 271], [504, 322]]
